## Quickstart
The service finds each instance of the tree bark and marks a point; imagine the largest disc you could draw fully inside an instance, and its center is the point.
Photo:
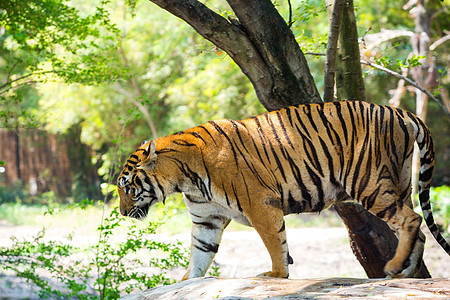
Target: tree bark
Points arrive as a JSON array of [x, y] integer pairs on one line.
[[261, 44], [349, 81], [334, 9]]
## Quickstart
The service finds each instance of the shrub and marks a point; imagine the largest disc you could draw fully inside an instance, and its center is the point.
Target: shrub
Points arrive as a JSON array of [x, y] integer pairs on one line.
[[107, 271]]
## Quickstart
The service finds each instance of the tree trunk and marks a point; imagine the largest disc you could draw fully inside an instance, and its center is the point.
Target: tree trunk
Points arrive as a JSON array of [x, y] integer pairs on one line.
[[334, 9], [349, 80], [17, 151]]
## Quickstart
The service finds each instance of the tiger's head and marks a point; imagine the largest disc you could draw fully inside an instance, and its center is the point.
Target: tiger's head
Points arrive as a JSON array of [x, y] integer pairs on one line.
[[138, 187]]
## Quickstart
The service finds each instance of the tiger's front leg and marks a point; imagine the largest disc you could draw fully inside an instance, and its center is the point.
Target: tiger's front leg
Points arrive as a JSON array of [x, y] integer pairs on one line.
[[268, 220], [205, 238]]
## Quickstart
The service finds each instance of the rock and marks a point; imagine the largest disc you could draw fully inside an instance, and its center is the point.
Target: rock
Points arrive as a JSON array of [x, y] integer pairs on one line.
[[276, 288]]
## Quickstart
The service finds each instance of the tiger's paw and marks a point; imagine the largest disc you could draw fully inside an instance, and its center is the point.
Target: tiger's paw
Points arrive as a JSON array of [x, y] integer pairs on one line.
[[393, 269], [274, 274]]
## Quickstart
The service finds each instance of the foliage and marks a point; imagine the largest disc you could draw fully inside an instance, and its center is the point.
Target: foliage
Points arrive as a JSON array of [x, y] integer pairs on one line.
[[174, 76], [109, 271], [50, 40]]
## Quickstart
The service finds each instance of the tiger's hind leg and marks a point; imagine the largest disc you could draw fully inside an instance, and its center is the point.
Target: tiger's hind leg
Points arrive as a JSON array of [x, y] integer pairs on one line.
[[406, 223], [413, 270], [414, 261]]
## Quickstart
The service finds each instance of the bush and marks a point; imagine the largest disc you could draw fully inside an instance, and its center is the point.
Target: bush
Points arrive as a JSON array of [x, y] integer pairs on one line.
[[108, 271]]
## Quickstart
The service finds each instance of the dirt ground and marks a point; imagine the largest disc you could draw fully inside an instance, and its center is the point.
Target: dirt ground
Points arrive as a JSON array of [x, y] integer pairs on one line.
[[317, 253]]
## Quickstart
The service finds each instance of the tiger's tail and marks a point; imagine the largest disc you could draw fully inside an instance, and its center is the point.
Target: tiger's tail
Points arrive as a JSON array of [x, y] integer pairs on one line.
[[427, 162]]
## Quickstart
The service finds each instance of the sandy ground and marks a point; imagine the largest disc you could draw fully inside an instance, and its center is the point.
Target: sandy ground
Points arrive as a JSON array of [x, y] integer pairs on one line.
[[317, 253]]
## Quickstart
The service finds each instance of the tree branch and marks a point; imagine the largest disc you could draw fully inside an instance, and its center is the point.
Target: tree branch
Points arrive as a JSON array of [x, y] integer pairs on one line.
[[400, 76], [261, 44], [225, 35], [439, 42], [290, 14], [411, 82], [138, 91], [282, 55], [10, 82]]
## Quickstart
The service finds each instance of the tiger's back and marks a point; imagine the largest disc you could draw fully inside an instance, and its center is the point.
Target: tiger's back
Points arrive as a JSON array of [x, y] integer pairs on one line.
[[312, 155], [297, 159]]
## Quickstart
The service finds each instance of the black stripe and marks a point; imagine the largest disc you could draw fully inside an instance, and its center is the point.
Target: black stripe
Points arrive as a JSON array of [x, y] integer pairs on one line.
[[306, 196], [318, 206], [364, 181], [277, 160], [280, 120], [131, 162], [391, 209], [275, 133], [226, 195], [426, 205], [326, 124], [342, 121], [196, 134], [183, 143], [353, 140], [310, 152], [356, 175], [194, 200], [426, 175], [206, 247], [309, 116], [209, 225], [235, 126], [288, 114], [206, 130], [424, 196], [236, 197], [262, 137], [294, 206], [283, 228], [401, 122], [378, 119], [220, 130], [372, 198], [300, 121], [209, 189], [165, 150], [391, 132], [362, 112], [330, 161]]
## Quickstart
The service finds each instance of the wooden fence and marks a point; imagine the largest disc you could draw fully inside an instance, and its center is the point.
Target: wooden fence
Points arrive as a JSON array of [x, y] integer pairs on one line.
[[41, 162]]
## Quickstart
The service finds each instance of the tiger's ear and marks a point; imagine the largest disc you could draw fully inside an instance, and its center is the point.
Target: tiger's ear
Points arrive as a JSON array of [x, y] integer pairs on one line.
[[149, 162]]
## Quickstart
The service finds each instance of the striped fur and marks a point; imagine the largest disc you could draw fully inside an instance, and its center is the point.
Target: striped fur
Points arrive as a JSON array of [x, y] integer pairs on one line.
[[294, 160]]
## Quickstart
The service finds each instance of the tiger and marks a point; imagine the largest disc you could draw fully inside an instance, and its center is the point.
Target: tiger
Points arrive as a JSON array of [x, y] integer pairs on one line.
[[298, 159]]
